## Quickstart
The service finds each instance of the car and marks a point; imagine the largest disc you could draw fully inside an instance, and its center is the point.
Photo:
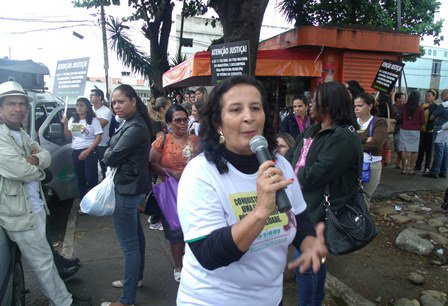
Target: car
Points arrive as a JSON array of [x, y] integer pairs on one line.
[[12, 281], [43, 124]]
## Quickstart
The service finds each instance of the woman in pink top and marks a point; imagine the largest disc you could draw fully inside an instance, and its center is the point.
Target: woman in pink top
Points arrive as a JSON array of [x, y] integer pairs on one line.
[[413, 118]]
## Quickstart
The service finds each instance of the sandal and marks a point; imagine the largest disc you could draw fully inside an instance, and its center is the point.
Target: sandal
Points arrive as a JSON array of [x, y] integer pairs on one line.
[[177, 276], [411, 173], [403, 172]]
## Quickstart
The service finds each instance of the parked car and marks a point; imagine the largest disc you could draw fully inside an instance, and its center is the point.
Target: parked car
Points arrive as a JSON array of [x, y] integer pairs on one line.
[[12, 281], [43, 124]]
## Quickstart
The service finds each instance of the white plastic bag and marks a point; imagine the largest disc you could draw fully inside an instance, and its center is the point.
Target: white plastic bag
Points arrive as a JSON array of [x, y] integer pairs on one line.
[[100, 200]]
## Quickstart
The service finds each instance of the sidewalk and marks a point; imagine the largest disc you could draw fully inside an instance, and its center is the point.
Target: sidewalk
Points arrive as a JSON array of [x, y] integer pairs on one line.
[[93, 241]]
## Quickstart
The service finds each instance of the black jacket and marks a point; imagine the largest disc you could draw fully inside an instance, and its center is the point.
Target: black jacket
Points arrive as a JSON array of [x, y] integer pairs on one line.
[[129, 151], [289, 125], [335, 158]]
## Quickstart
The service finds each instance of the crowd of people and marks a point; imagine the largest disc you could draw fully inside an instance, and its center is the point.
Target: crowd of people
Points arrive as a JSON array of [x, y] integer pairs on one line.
[[233, 242]]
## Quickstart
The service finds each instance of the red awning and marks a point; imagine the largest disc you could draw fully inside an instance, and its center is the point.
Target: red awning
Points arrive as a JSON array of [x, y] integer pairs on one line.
[[195, 71]]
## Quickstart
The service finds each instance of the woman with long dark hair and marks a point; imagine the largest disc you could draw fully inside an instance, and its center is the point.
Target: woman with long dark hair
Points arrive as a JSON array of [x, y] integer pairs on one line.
[[128, 152], [237, 240], [327, 153], [412, 118], [85, 131]]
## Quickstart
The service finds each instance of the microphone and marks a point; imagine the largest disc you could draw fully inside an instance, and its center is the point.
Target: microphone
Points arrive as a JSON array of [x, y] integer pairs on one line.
[[259, 146]]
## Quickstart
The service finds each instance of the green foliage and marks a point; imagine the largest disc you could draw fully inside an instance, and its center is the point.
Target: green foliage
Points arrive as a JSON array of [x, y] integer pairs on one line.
[[417, 16], [128, 52], [94, 3]]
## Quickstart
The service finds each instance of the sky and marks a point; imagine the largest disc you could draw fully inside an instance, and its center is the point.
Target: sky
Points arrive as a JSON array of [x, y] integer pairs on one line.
[[23, 38]]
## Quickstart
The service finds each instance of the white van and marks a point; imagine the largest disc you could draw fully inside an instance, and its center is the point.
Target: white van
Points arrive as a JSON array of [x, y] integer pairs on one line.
[[43, 124]]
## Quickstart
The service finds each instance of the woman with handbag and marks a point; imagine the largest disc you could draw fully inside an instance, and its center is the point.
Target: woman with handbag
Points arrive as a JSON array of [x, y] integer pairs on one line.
[[328, 153], [373, 134], [169, 155], [128, 153], [237, 239]]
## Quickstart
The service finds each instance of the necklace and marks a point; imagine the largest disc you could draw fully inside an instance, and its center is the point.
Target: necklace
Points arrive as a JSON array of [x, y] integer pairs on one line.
[[187, 151]]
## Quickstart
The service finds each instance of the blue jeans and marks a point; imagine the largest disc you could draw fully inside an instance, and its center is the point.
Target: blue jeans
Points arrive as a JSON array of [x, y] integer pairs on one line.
[[86, 171], [310, 285], [439, 164], [129, 231]]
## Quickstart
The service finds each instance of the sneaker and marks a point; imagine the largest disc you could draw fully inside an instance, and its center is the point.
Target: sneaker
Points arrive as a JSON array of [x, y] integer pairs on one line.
[[442, 175], [156, 226], [426, 171], [120, 283], [81, 302], [430, 175]]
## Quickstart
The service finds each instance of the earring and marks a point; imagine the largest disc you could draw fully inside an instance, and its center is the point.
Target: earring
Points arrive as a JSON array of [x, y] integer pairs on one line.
[[221, 138]]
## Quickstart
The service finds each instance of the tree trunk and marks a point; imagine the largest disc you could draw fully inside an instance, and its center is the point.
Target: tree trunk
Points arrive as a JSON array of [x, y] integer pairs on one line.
[[158, 33], [241, 20]]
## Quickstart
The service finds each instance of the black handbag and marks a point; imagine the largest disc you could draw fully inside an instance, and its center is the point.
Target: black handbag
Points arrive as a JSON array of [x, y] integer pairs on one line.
[[350, 228]]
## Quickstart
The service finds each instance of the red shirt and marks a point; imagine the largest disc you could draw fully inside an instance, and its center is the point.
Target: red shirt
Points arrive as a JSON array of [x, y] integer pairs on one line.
[[416, 120]]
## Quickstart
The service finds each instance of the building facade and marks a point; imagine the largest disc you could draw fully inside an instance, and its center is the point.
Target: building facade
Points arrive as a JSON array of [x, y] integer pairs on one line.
[[428, 71]]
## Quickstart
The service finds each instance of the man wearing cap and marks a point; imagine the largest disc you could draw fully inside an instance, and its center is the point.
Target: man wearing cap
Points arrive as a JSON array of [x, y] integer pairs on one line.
[[22, 202], [104, 115]]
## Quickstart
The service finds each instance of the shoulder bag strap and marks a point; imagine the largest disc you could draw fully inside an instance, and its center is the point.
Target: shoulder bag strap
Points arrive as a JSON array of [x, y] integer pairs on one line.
[[371, 132]]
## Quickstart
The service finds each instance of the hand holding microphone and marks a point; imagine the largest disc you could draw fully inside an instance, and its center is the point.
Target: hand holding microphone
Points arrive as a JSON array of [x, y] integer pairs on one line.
[[259, 146]]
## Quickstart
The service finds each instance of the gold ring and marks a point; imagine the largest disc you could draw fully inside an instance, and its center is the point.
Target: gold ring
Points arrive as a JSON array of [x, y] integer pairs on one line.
[[266, 174]]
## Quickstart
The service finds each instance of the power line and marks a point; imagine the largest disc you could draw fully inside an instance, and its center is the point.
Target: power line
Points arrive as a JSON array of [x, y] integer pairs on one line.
[[43, 20], [51, 29]]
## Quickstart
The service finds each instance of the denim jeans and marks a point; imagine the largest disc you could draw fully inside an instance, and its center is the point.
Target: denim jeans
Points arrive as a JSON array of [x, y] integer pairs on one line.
[[310, 285], [86, 171], [439, 164], [129, 231], [36, 252]]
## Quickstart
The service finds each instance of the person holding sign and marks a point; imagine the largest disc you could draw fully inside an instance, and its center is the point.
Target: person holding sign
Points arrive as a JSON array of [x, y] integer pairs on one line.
[[85, 131], [237, 240]]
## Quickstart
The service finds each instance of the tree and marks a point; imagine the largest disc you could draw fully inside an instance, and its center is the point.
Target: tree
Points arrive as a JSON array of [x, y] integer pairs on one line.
[[241, 20], [157, 18], [417, 15]]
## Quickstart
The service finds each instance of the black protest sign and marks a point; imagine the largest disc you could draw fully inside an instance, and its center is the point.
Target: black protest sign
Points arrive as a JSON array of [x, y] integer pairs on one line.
[[387, 76], [228, 60], [70, 78]]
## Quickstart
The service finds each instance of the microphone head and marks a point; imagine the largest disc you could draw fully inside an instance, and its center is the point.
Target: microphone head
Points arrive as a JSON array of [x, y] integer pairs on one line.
[[258, 142]]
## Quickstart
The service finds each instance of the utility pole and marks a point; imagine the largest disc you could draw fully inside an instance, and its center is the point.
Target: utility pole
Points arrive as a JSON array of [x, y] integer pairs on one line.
[[398, 15], [106, 56], [181, 30]]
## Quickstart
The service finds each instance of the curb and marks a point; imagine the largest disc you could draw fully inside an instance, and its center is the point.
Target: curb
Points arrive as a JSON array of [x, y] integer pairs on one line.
[[348, 295], [68, 247]]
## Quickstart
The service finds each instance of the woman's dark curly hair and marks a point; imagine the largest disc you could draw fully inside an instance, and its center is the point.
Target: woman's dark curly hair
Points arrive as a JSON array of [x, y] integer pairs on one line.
[[90, 113], [210, 115]]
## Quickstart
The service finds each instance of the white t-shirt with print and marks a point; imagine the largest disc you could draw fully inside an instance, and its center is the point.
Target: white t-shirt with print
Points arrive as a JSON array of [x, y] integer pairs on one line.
[[209, 201], [104, 113], [83, 134], [367, 158]]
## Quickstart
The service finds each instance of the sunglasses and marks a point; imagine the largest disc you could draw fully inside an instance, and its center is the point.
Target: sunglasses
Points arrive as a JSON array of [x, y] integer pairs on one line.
[[181, 120]]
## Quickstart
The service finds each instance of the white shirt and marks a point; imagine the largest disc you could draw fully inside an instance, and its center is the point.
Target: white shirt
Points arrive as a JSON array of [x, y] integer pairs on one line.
[[367, 157], [209, 201], [33, 187], [104, 113], [84, 134]]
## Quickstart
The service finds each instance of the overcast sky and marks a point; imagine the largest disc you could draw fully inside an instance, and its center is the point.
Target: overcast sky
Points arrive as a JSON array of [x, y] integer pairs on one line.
[[23, 38]]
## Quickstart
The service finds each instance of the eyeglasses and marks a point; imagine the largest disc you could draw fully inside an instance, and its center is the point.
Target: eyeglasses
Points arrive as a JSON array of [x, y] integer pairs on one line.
[[180, 120]]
